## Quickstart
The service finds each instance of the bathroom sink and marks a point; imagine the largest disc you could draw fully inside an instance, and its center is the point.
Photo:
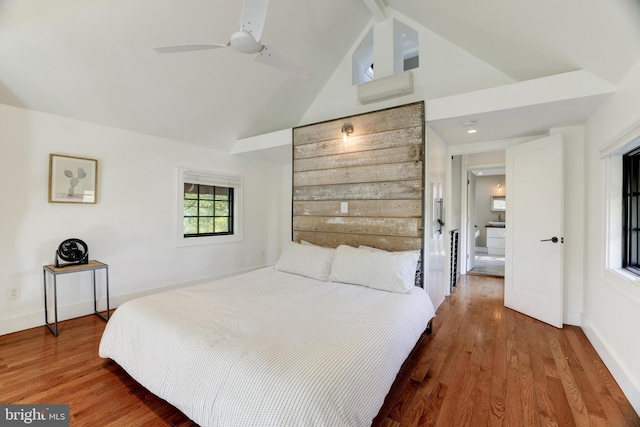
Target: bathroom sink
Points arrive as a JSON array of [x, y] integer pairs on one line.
[[497, 223]]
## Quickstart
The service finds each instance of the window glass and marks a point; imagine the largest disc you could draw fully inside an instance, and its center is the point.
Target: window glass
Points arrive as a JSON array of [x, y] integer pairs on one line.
[[208, 210], [631, 211], [406, 54]]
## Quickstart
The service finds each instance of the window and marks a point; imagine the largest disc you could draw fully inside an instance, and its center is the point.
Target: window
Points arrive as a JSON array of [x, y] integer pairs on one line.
[[406, 54], [209, 207], [208, 210], [362, 60], [631, 211], [618, 269]]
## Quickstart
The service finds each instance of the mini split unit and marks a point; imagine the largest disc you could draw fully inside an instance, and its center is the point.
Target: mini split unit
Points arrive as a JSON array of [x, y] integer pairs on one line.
[[386, 88]]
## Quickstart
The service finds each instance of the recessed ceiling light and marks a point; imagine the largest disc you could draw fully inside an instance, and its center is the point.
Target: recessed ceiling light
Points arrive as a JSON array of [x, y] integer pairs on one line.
[[469, 125]]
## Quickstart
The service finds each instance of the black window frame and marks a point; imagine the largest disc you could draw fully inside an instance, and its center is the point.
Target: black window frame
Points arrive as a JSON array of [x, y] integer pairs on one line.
[[631, 211], [230, 215]]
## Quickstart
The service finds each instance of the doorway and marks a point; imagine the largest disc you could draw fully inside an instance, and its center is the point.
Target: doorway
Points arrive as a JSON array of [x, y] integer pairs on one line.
[[533, 222], [488, 193], [471, 211]]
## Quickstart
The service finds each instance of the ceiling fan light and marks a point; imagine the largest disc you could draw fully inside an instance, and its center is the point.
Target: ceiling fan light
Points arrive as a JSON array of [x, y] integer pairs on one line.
[[243, 42]]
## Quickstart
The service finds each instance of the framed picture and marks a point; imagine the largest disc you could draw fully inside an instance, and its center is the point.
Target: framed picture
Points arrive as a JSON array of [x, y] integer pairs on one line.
[[72, 179]]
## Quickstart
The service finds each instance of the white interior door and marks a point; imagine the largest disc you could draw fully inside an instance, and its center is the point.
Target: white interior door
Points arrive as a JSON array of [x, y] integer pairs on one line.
[[471, 221], [533, 267]]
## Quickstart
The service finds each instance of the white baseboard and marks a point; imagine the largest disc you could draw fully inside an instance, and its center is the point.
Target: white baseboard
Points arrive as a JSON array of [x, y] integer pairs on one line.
[[65, 312], [572, 318], [629, 385], [21, 322]]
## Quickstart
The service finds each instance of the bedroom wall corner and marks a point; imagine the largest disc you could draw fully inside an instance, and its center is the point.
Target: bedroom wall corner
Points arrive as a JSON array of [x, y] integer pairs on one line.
[[611, 308], [287, 208], [133, 225]]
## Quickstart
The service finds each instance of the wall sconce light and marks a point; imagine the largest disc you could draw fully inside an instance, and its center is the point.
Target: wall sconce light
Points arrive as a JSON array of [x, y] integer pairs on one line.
[[347, 129], [499, 187]]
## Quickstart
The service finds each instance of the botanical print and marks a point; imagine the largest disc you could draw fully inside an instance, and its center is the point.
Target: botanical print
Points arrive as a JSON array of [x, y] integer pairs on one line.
[[72, 179]]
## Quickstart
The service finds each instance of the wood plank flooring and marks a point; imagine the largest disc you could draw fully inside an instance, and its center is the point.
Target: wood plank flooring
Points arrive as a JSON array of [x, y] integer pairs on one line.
[[483, 365]]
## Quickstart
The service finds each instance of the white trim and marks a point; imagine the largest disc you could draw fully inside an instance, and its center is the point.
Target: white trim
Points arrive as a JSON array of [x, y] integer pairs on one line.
[[573, 318], [488, 146], [210, 178], [623, 143], [620, 373], [611, 269], [235, 181]]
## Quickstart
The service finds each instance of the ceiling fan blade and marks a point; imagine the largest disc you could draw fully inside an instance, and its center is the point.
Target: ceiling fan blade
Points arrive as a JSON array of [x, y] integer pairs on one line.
[[254, 13], [268, 56], [187, 48]]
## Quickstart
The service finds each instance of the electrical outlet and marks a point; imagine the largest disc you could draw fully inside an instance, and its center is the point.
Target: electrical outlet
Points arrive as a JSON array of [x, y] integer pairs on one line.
[[13, 292]]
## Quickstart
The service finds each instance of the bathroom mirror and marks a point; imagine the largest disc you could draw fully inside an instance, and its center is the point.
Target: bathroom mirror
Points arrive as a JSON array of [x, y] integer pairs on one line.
[[498, 204]]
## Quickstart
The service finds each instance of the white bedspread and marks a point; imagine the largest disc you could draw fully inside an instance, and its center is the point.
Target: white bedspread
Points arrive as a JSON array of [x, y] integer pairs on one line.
[[269, 348]]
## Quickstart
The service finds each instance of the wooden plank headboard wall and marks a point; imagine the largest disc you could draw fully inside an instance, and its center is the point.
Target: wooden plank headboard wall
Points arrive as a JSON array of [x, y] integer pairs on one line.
[[378, 172]]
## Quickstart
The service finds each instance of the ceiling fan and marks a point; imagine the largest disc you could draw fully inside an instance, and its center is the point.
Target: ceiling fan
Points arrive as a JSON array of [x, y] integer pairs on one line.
[[247, 40]]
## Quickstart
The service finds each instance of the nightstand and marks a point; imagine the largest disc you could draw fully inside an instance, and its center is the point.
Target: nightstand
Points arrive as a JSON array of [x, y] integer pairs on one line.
[[92, 266]]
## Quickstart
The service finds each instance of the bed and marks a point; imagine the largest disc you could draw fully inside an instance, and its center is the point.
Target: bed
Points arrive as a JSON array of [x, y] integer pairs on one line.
[[297, 344]]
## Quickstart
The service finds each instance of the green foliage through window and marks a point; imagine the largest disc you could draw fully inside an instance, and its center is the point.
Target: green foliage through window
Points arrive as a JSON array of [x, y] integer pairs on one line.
[[208, 210]]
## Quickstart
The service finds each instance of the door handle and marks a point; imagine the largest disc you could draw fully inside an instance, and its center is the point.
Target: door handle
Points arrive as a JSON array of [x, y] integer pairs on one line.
[[554, 239]]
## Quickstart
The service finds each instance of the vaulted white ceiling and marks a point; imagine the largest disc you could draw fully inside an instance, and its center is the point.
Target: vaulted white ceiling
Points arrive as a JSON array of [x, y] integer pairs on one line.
[[94, 61]]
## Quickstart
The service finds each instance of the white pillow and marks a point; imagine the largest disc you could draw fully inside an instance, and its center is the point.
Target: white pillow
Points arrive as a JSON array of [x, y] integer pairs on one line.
[[378, 269], [306, 260]]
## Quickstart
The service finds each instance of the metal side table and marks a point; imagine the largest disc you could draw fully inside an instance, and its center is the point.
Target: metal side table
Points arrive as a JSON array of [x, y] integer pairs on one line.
[[92, 266]]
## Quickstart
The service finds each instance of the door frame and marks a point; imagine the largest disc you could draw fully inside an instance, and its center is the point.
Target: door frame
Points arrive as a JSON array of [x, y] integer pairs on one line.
[[471, 222], [464, 210]]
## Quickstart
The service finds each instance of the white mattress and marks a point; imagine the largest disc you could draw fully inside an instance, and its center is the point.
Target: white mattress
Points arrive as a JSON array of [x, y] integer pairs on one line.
[[269, 348]]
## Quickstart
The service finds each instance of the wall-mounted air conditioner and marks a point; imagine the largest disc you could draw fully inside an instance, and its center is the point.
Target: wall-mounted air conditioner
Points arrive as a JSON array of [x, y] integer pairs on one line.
[[386, 88]]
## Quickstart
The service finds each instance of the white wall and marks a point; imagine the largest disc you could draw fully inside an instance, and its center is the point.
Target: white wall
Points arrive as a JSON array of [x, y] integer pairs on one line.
[[611, 310], [133, 226], [286, 217], [445, 70], [484, 160], [454, 204]]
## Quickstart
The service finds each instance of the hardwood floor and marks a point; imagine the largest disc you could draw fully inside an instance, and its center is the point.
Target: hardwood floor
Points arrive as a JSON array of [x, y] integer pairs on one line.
[[483, 365]]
